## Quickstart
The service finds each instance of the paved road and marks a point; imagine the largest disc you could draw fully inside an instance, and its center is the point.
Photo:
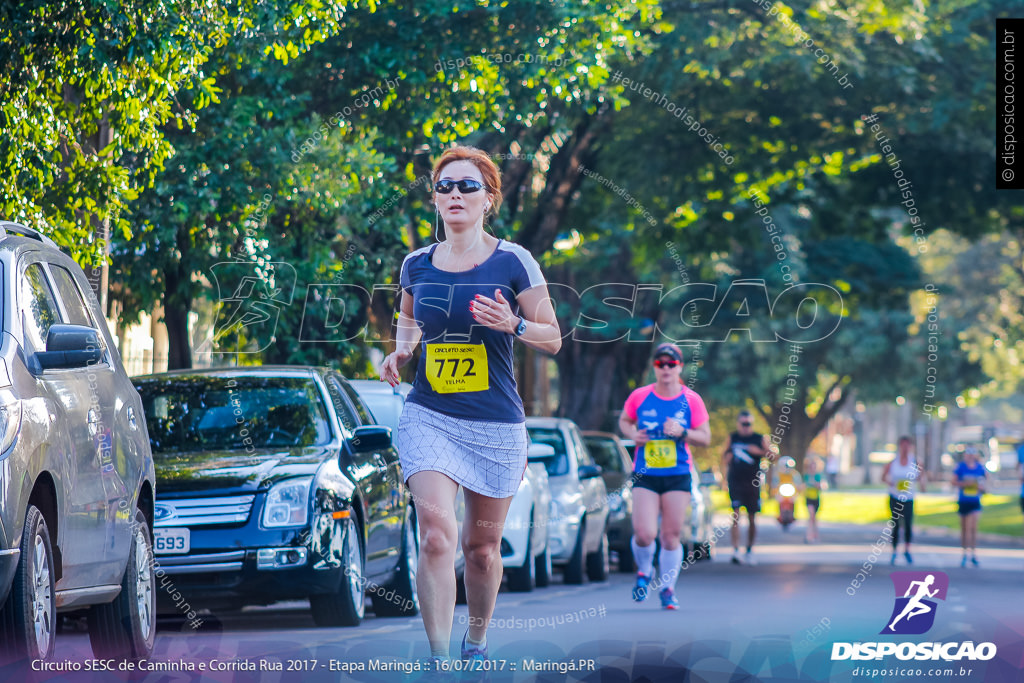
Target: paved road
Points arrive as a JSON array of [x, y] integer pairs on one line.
[[776, 621]]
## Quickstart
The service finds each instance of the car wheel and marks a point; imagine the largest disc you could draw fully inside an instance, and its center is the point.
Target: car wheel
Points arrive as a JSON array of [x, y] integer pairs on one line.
[[574, 570], [597, 561], [28, 620], [126, 628], [405, 601], [345, 606], [523, 578], [543, 568]]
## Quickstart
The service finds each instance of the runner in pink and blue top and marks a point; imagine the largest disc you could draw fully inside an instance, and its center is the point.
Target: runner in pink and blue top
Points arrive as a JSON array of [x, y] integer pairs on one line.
[[662, 418]]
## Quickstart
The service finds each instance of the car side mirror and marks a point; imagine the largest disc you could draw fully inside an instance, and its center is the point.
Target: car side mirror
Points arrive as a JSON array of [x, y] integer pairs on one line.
[[70, 346], [590, 471], [539, 452], [370, 438]]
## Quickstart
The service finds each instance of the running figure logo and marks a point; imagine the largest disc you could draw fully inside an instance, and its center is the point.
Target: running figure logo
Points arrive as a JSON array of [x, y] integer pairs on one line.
[[914, 612]]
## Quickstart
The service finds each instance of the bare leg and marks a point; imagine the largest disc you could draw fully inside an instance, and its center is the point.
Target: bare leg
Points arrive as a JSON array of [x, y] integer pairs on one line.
[[735, 529], [673, 513], [481, 545], [972, 531], [752, 529], [963, 532], [645, 516], [434, 496]]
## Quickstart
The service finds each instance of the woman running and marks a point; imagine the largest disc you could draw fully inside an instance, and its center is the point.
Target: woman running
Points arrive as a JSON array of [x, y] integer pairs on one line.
[[464, 301]]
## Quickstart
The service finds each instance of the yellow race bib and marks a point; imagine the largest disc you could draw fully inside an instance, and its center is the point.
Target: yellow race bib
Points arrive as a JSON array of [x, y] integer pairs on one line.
[[660, 453], [971, 490], [811, 493], [457, 367], [903, 485]]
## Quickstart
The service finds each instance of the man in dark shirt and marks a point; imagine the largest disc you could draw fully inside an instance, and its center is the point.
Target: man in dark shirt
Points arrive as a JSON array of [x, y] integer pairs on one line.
[[742, 461]]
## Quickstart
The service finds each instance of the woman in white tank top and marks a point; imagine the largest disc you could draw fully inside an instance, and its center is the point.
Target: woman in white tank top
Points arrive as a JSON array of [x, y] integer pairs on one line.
[[903, 475]]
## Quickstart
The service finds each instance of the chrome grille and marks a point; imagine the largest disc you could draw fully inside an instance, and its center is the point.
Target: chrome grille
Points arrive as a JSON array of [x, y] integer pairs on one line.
[[230, 561], [192, 512]]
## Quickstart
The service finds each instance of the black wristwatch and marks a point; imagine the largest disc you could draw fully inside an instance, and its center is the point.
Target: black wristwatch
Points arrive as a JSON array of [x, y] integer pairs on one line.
[[521, 327], [682, 437]]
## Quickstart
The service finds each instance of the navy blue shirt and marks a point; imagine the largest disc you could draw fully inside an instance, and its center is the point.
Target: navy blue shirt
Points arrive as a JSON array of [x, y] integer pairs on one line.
[[465, 369]]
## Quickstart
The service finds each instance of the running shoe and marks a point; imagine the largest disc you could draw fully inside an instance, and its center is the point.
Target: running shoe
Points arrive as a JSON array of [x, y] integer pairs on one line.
[[910, 560], [974, 560], [749, 559], [473, 651], [736, 557], [892, 560], [640, 588], [963, 562], [668, 599]]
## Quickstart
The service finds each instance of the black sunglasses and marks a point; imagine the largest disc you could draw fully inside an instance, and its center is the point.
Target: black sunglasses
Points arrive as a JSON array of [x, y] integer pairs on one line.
[[465, 186], [746, 424]]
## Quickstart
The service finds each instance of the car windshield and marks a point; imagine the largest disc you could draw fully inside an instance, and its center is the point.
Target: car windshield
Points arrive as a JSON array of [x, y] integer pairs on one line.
[[559, 463], [204, 413], [604, 452]]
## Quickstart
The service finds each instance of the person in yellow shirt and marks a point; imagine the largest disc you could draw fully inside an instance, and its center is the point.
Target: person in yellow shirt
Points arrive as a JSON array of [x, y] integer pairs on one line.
[[812, 496]]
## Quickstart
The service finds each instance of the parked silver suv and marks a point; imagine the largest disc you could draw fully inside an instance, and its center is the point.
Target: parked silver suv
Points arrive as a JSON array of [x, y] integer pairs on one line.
[[76, 471]]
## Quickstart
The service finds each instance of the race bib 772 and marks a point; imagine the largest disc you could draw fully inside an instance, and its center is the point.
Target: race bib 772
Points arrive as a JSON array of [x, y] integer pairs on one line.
[[457, 367]]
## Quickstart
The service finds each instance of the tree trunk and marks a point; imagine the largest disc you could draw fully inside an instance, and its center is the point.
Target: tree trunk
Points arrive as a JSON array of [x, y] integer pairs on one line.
[[176, 310]]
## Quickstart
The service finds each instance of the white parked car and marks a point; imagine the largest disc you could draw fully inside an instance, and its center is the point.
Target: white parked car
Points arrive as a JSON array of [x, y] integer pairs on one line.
[[524, 542], [578, 529]]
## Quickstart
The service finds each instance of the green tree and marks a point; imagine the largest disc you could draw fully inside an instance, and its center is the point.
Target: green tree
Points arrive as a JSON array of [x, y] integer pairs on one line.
[[89, 87]]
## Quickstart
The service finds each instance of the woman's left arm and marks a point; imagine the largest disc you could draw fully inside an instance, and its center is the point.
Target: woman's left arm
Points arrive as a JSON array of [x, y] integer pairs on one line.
[[700, 436], [542, 332]]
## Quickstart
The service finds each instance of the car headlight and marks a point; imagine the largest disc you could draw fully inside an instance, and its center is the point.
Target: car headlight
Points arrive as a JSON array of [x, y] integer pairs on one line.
[[565, 510], [10, 424], [287, 503]]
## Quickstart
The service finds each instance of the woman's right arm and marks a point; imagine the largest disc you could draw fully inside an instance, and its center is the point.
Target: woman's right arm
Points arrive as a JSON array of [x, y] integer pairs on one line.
[[406, 338]]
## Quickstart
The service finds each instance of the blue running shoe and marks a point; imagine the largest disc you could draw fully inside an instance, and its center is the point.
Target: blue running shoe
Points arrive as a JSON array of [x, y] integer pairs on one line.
[[473, 651], [910, 560], [640, 588], [668, 599]]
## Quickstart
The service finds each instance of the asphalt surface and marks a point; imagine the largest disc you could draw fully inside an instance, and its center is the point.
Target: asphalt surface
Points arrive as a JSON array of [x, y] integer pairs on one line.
[[774, 621]]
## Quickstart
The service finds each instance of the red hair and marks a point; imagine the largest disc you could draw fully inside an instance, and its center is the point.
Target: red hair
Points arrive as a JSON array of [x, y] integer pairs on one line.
[[479, 158]]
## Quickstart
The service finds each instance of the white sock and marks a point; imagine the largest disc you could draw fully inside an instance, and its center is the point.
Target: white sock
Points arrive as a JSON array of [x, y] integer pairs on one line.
[[669, 561], [644, 556], [439, 650]]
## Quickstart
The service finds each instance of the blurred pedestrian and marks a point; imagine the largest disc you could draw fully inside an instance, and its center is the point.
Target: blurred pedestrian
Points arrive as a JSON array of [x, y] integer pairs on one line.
[[662, 418], [463, 423], [1020, 470], [741, 460], [969, 478], [812, 496], [832, 471], [903, 475]]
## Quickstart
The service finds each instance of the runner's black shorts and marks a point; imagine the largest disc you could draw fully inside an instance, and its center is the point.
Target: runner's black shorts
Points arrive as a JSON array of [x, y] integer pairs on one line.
[[745, 497], [966, 507], [660, 485]]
